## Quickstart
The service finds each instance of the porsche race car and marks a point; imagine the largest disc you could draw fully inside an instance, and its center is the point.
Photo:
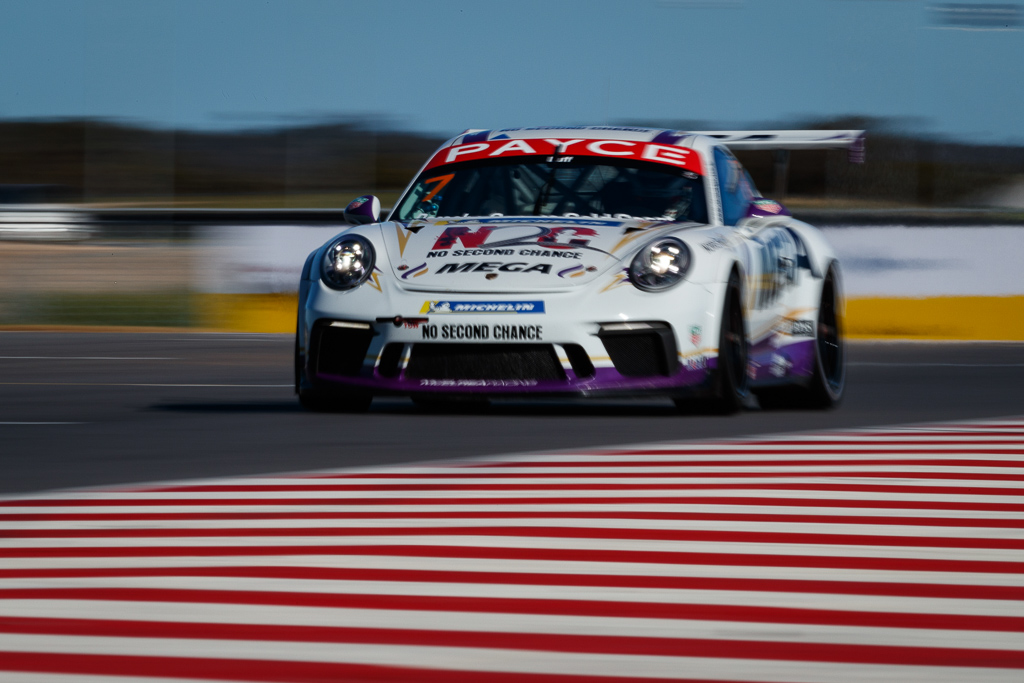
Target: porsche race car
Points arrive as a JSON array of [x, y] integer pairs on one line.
[[586, 261]]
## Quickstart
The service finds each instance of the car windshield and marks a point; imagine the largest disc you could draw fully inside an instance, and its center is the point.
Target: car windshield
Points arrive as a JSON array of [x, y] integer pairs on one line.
[[560, 186]]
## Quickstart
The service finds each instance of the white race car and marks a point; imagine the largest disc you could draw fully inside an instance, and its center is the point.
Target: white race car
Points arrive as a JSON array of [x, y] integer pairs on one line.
[[587, 261]]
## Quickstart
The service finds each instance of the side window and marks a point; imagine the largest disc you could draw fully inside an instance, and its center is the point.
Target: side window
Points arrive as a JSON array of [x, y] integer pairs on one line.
[[733, 185]]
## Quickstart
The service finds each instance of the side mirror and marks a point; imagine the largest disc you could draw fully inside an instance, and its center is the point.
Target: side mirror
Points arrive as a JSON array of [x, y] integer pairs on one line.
[[759, 207], [363, 210]]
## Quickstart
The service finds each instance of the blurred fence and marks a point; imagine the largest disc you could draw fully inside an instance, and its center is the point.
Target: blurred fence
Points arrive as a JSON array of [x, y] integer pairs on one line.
[[150, 268], [328, 163]]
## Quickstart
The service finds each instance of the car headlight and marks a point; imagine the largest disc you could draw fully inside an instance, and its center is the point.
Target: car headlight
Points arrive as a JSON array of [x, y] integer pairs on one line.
[[660, 265], [347, 262]]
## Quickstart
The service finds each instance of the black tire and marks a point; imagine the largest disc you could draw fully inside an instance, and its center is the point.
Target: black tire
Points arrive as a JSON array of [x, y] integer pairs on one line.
[[729, 389], [828, 382], [322, 401], [331, 402]]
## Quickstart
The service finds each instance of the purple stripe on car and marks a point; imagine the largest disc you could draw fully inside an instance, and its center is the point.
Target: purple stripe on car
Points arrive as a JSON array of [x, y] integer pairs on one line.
[[668, 137], [603, 379], [414, 270]]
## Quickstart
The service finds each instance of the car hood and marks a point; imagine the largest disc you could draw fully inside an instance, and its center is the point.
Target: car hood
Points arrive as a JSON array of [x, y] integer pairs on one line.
[[506, 254]]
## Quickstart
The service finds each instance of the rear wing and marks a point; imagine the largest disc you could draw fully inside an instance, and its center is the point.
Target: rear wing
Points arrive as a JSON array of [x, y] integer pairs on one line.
[[851, 140]]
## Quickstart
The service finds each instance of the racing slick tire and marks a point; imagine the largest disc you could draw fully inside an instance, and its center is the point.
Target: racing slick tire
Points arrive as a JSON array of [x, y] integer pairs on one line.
[[729, 392], [327, 401], [825, 390], [330, 402]]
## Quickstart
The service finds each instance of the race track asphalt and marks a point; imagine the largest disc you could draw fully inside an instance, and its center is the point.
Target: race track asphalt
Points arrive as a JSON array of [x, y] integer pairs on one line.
[[90, 409]]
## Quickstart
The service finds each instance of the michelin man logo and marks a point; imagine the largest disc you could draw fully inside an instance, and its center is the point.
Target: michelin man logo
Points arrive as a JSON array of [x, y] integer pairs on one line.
[[440, 307]]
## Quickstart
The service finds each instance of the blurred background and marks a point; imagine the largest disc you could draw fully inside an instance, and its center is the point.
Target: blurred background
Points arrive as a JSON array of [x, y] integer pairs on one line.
[[160, 160]]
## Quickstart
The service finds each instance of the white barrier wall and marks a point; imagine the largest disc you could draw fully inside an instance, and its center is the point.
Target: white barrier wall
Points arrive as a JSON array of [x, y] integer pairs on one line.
[[257, 259], [897, 261], [900, 282], [877, 261]]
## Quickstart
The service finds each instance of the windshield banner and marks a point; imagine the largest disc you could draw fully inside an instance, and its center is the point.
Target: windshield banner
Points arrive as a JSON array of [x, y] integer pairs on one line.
[[680, 157]]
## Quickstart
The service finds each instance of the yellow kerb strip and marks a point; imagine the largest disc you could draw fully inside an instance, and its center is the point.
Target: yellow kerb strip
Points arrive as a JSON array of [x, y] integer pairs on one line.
[[249, 312], [995, 318], [942, 318]]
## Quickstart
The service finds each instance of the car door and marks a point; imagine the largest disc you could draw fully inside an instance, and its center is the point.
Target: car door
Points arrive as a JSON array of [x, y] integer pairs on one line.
[[736, 192]]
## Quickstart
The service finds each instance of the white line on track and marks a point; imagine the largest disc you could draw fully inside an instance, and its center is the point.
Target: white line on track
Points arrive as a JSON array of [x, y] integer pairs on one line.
[[217, 500], [88, 358], [609, 484], [557, 624], [597, 594], [510, 660], [51, 515], [23, 677], [412, 521], [936, 365], [355, 561], [430, 475], [598, 478], [124, 384], [472, 543]]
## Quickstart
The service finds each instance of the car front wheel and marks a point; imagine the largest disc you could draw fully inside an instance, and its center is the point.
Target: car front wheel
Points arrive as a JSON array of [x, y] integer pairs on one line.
[[729, 379], [320, 400]]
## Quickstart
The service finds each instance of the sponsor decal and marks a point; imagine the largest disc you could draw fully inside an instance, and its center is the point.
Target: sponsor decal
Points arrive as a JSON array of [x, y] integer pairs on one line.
[[695, 335], [629, 237], [539, 220], [619, 279], [478, 382], [801, 328], [374, 279], [444, 307], [772, 268], [696, 363], [780, 365], [543, 253], [680, 157], [715, 244], [483, 332], [415, 272], [403, 238], [553, 238], [494, 266], [769, 205]]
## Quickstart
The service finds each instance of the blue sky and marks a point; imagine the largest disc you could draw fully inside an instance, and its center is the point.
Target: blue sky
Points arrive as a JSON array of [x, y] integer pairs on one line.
[[445, 65]]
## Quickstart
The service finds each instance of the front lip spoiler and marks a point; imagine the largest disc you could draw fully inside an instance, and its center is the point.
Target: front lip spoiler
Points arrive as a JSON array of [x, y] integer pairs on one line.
[[605, 382]]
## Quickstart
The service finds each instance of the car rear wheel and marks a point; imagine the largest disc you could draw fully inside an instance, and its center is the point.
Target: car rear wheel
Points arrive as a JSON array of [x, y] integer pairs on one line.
[[729, 379], [828, 381]]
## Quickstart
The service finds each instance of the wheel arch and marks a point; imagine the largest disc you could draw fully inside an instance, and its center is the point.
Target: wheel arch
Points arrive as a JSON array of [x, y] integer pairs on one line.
[[817, 250], [719, 290]]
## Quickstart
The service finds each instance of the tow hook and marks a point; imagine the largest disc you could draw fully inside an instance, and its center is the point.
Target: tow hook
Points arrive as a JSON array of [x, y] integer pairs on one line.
[[398, 321]]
